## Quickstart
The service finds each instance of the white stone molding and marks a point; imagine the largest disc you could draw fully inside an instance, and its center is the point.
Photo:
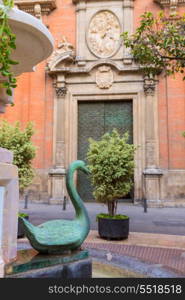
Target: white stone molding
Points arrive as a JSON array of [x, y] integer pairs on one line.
[[172, 4], [36, 8]]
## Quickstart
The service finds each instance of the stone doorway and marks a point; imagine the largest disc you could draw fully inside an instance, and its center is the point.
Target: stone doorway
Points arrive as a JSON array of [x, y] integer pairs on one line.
[[94, 119]]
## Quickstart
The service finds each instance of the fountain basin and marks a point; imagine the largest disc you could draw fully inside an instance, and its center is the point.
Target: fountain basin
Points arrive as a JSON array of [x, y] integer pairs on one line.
[[34, 42], [31, 264]]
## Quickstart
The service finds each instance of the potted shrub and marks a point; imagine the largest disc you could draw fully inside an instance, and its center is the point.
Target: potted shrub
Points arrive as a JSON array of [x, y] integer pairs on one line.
[[111, 163]]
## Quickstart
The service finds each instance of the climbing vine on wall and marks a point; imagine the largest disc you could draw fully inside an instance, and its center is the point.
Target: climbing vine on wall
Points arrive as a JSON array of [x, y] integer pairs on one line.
[[7, 44]]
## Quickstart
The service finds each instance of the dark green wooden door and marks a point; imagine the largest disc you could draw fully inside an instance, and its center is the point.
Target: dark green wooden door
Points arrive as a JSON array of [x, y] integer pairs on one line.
[[95, 119]]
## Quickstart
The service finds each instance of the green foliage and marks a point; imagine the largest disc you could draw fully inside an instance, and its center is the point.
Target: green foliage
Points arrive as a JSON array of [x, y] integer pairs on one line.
[[19, 142], [7, 44], [106, 216], [111, 163], [158, 44], [22, 215]]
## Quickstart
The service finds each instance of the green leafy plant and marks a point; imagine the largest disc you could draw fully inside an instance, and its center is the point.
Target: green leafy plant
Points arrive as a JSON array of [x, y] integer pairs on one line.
[[111, 163], [158, 44], [19, 142], [116, 217], [7, 44], [22, 215]]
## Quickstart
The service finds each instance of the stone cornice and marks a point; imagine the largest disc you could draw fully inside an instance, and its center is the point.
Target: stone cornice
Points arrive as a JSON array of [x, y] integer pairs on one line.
[[169, 3], [36, 7], [86, 1]]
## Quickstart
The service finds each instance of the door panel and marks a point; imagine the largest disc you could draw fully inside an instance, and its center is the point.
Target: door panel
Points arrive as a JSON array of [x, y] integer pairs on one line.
[[95, 119], [119, 115]]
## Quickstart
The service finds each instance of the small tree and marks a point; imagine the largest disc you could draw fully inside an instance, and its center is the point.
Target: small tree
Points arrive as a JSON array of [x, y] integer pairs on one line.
[[158, 44], [19, 142], [111, 163]]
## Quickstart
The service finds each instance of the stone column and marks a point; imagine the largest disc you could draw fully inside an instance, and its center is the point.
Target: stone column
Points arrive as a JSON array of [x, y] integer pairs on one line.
[[57, 173], [81, 14], [128, 8], [151, 173], [9, 200]]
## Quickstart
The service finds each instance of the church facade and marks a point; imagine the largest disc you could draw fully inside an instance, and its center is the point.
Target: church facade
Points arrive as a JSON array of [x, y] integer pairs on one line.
[[91, 85]]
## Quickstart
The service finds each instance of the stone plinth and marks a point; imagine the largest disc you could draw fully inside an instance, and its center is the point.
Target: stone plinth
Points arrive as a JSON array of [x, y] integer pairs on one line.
[[6, 156], [57, 185], [152, 188], [9, 199], [30, 264]]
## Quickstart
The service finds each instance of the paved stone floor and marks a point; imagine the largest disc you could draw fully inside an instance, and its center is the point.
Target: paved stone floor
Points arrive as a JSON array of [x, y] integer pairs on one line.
[[168, 251], [168, 220]]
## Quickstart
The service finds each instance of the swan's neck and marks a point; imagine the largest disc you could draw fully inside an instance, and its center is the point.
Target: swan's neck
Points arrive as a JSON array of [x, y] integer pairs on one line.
[[81, 212]]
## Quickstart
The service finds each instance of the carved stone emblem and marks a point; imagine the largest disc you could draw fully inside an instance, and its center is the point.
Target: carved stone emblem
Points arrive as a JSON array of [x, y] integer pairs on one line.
[[104, 77], [103, 35]]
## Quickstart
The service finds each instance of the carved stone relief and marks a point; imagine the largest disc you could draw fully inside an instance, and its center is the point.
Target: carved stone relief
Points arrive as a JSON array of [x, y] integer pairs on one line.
[[64, 50], [104, 77], [61, 91], [103, 35], [149, 86]]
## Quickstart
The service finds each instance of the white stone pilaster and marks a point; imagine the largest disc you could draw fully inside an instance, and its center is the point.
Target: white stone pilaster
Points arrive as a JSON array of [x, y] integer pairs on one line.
[[57, 173], [152, 173], [81, 24], [128, 23]]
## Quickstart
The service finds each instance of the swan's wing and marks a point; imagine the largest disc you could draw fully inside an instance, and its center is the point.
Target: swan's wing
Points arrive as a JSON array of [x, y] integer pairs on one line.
[[59, 232]]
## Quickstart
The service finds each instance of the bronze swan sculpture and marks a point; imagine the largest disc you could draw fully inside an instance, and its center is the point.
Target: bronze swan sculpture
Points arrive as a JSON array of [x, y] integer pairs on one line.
[[59, 236]]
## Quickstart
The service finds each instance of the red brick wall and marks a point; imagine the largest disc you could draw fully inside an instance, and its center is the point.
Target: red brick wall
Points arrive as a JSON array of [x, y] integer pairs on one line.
[[34, 94]]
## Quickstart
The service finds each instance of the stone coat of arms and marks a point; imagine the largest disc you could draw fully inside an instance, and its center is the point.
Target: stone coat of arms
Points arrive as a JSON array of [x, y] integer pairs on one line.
[[104, 77]]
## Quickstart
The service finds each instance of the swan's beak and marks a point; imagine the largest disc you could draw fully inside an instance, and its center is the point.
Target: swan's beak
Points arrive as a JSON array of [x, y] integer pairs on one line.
[[86, 170]]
